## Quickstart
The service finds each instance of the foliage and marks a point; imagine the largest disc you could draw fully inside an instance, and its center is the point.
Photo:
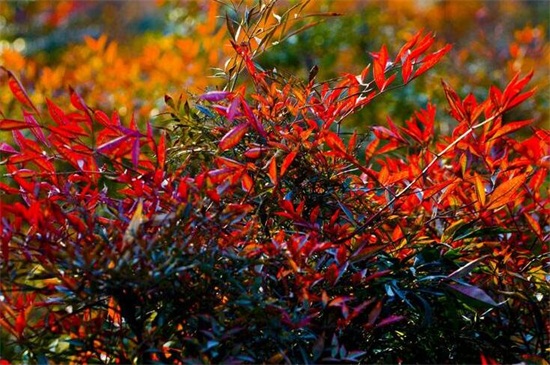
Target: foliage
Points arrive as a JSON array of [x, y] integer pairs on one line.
[[130, 75], [245, 225]]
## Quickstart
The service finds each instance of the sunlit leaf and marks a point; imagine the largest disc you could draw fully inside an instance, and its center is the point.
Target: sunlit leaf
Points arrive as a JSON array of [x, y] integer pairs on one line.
[[506, 192], [233, 137]]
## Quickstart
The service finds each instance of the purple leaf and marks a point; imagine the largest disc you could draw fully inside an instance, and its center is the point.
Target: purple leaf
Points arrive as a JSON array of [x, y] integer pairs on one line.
[[473, 292], [36, 130], [390, 320], [214, 96], [6, 148]]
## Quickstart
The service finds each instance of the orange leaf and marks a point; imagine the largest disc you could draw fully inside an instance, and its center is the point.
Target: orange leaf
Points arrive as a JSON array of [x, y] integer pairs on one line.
[[379, 68], [480, 189], [534, 224], [431, 60], [233, 137], [287, 161], [114, 312], [506, 192], [457, 109], [511, 127], [407, 70], [247, 183], [272, 172], [407, 46]]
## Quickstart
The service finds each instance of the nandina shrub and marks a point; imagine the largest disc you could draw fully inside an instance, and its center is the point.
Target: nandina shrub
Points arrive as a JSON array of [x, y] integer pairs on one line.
[[251, 227]]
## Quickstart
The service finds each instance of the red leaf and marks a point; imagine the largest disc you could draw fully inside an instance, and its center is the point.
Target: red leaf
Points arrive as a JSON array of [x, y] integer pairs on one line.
[[515, 86], [255, 152], [20, 323], [457, 110], [520, 99], [6, 238], [388, 81], [18, 90], [103, 118], [407, 46], [335, 142], [511, 127], [425, 43], [287, 161], [370, 149], [111, 145], [233, 137], [56, 113], [161, 151], [77, 101], [247, 183], [36, 130], [407, 70], [272, 171], [11, 124], [379, 67], [430, 60]]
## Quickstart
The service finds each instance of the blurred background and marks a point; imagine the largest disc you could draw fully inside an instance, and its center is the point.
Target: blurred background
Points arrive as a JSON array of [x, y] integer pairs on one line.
[[126, 55]]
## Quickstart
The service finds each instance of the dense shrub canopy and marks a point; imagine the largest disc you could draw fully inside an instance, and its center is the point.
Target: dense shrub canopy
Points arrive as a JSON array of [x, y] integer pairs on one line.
[[250, 222]]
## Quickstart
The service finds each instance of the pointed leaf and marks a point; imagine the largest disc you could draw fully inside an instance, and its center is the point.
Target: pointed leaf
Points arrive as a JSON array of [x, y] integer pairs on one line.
[[56, 113], [12, 124], [161, 151], [431, 60], [379, 69], [466, 269], [18, 90], [510, 128], [111, 145], [252, 119], [135, 152], [6, 148], [272, 171], [20, 323], [36, 130], [287, 161], [215, 96], [407, 70], [506, 192], [233, 137], [77, 101], [480, 189], [473, 292]]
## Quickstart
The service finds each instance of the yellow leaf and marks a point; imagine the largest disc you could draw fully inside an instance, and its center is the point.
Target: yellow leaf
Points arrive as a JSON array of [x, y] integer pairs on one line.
[[134, 224], [480, 189], [506, 192]]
